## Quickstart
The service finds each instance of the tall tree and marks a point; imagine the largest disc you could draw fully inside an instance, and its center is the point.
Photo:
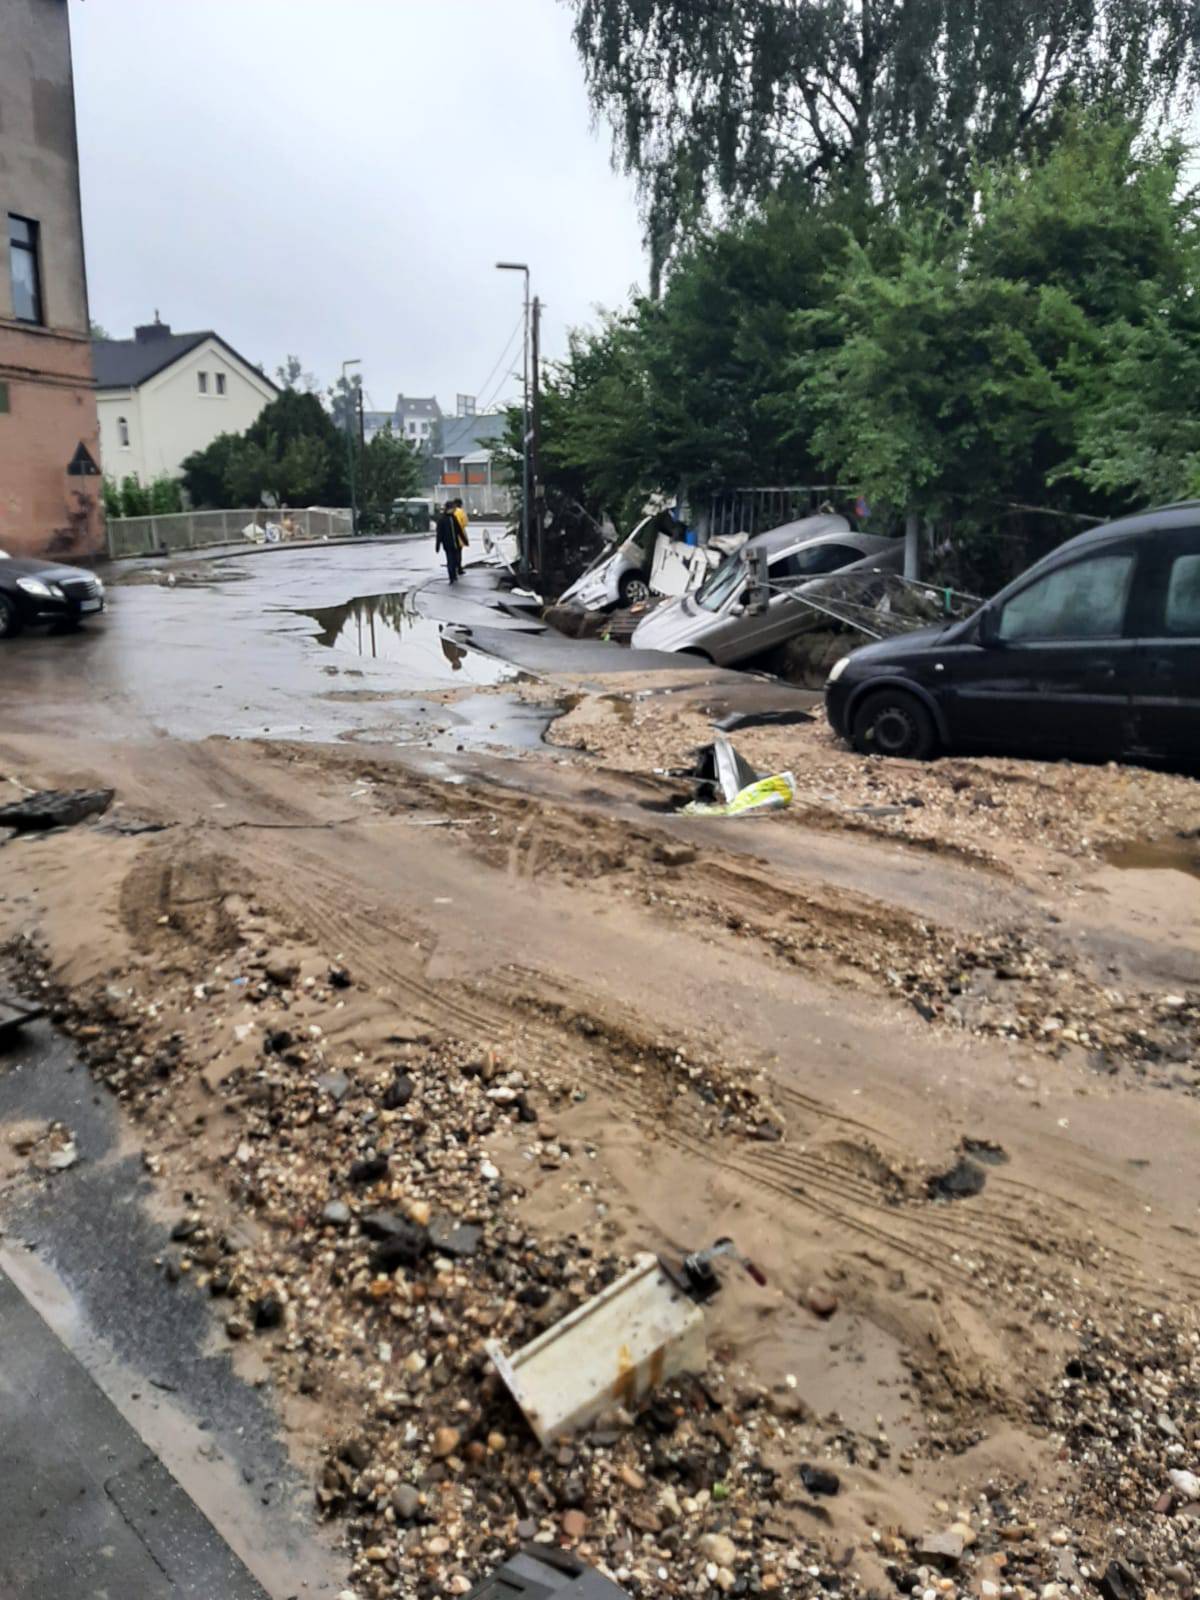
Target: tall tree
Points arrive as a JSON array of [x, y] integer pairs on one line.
[[728, 98]]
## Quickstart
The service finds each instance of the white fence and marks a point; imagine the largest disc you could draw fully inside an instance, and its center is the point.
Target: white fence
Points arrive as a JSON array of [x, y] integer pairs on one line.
[[479, 499], [195, 530]]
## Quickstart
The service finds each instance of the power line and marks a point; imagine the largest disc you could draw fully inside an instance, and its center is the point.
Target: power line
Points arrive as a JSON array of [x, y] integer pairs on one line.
[[503, 356]]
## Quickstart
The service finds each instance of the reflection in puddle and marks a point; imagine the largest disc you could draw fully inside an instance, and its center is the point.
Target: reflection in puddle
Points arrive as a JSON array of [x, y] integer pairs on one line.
[[1170, 855], [388, 627]]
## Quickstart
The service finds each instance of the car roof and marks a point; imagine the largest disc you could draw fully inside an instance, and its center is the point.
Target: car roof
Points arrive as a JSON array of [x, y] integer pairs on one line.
[[800, 532], [1159, 519]]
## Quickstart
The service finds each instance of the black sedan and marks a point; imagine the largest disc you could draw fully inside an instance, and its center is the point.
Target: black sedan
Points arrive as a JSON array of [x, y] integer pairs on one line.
[[34, 591], [1094, 652]]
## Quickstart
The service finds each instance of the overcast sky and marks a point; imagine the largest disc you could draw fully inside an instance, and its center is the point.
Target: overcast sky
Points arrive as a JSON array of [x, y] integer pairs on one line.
[[336, 178]]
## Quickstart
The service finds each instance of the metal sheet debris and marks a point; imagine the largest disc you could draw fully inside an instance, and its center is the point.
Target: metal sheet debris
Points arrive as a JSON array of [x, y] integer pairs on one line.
[[743, 789], [611, 1351], [540, 1570]]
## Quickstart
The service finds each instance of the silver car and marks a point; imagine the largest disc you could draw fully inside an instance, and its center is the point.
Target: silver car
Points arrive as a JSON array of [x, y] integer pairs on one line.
[[716, 621]]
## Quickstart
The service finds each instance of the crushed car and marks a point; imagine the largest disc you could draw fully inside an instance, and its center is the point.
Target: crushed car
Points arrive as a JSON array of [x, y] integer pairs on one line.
[[35, 592], [722, 622], [658, 558], [1093, 652]]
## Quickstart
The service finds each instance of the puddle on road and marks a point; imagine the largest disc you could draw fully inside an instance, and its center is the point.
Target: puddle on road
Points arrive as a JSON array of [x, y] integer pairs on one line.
[[1157, 855], [388, 627]]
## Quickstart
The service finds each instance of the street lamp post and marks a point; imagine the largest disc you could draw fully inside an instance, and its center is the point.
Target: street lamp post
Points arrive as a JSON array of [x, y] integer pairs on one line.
[[519, 266], [355, 361]]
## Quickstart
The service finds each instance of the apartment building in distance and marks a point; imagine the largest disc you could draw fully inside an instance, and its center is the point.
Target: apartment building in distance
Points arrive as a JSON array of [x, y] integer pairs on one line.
[[49, 436]]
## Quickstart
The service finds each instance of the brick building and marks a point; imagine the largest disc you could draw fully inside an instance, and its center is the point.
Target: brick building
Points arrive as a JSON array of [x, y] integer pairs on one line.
[[49, 437]]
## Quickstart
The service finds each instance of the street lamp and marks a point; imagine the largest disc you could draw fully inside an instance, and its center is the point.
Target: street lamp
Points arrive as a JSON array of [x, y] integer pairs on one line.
[[519, 266], [355, 361]]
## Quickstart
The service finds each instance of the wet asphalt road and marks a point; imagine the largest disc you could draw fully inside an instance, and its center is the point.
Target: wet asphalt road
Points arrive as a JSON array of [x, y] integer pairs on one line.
[[280, 644]]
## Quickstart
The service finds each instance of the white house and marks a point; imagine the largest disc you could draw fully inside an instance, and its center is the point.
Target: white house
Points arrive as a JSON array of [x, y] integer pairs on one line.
[[162, 395]]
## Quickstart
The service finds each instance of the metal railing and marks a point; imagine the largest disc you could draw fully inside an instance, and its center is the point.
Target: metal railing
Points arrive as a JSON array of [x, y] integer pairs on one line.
[[197, 530], [759, 509], [479, 499]]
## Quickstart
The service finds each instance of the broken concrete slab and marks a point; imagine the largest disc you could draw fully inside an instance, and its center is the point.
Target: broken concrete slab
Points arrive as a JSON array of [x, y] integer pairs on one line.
[[55, 808]]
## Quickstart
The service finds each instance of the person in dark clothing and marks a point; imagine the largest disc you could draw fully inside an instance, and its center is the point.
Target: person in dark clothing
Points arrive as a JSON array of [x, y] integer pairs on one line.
[[446, 541]]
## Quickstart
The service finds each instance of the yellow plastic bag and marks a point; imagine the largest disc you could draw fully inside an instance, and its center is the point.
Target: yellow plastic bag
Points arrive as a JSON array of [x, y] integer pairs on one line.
[[767, 794]]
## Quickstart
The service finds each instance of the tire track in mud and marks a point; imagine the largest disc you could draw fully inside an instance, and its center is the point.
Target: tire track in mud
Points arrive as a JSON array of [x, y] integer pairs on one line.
[[494, 1020], [508, 1011]]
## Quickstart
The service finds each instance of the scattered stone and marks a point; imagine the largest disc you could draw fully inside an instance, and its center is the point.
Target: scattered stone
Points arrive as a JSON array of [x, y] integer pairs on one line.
[[574, 1524], [821, 1302], [66, 1155], [670, 854], [398, 1093], [281, 969], [336, 1213], [339, 978], [718, 1548], [406, 1503], [943, 1549], [335, 1084], [456, 1240], [237, 1327], [1120, 1582], [445, 1442], [268, 1313], [1187, 1483], [356, 1453], [369, 1171], [817, 1480], [964, 1179]]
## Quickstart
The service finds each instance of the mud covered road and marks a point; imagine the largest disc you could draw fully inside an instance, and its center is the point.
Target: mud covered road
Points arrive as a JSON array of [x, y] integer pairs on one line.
[[925, 1046]]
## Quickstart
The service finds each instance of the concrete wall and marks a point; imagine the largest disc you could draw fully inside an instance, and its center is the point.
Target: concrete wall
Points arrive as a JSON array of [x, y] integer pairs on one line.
[[169, 417], [47, 368]]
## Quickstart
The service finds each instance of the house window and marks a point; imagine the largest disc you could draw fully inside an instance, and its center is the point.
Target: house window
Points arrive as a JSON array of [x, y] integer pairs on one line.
[[202, 382], [412, 428], [220, 383], [24, 269], [4, 405], [123, 433]]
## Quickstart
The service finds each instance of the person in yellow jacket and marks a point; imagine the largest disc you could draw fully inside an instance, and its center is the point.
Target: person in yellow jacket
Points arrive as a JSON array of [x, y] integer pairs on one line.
[[460, 516]]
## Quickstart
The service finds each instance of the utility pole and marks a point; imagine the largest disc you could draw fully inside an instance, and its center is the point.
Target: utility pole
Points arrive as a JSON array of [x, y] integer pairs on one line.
[[354, 361], [912, 545], [535, 434], [523, 561]]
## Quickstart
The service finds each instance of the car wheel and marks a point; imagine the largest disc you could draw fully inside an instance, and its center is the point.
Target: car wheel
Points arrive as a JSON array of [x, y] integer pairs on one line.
[[892, 723], [633, 589], [10, 622]]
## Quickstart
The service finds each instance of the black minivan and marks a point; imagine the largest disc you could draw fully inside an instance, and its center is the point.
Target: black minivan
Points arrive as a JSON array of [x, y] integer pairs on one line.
[[1095, 651]]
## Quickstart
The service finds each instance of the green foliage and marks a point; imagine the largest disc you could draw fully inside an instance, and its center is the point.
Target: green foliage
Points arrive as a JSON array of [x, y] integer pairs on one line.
[[131, 498], [1040, 348], [292, 451], [386, 469], [695, 391], [135, 500], [166, 497], [730, 98], [205, 473], [1044, 350]]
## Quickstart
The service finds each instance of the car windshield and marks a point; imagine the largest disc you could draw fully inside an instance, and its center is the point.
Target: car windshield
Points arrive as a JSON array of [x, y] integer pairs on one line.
[[725, 581]]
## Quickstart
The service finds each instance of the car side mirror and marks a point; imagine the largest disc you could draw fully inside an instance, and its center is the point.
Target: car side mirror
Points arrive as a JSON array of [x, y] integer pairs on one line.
[[989, 627]]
